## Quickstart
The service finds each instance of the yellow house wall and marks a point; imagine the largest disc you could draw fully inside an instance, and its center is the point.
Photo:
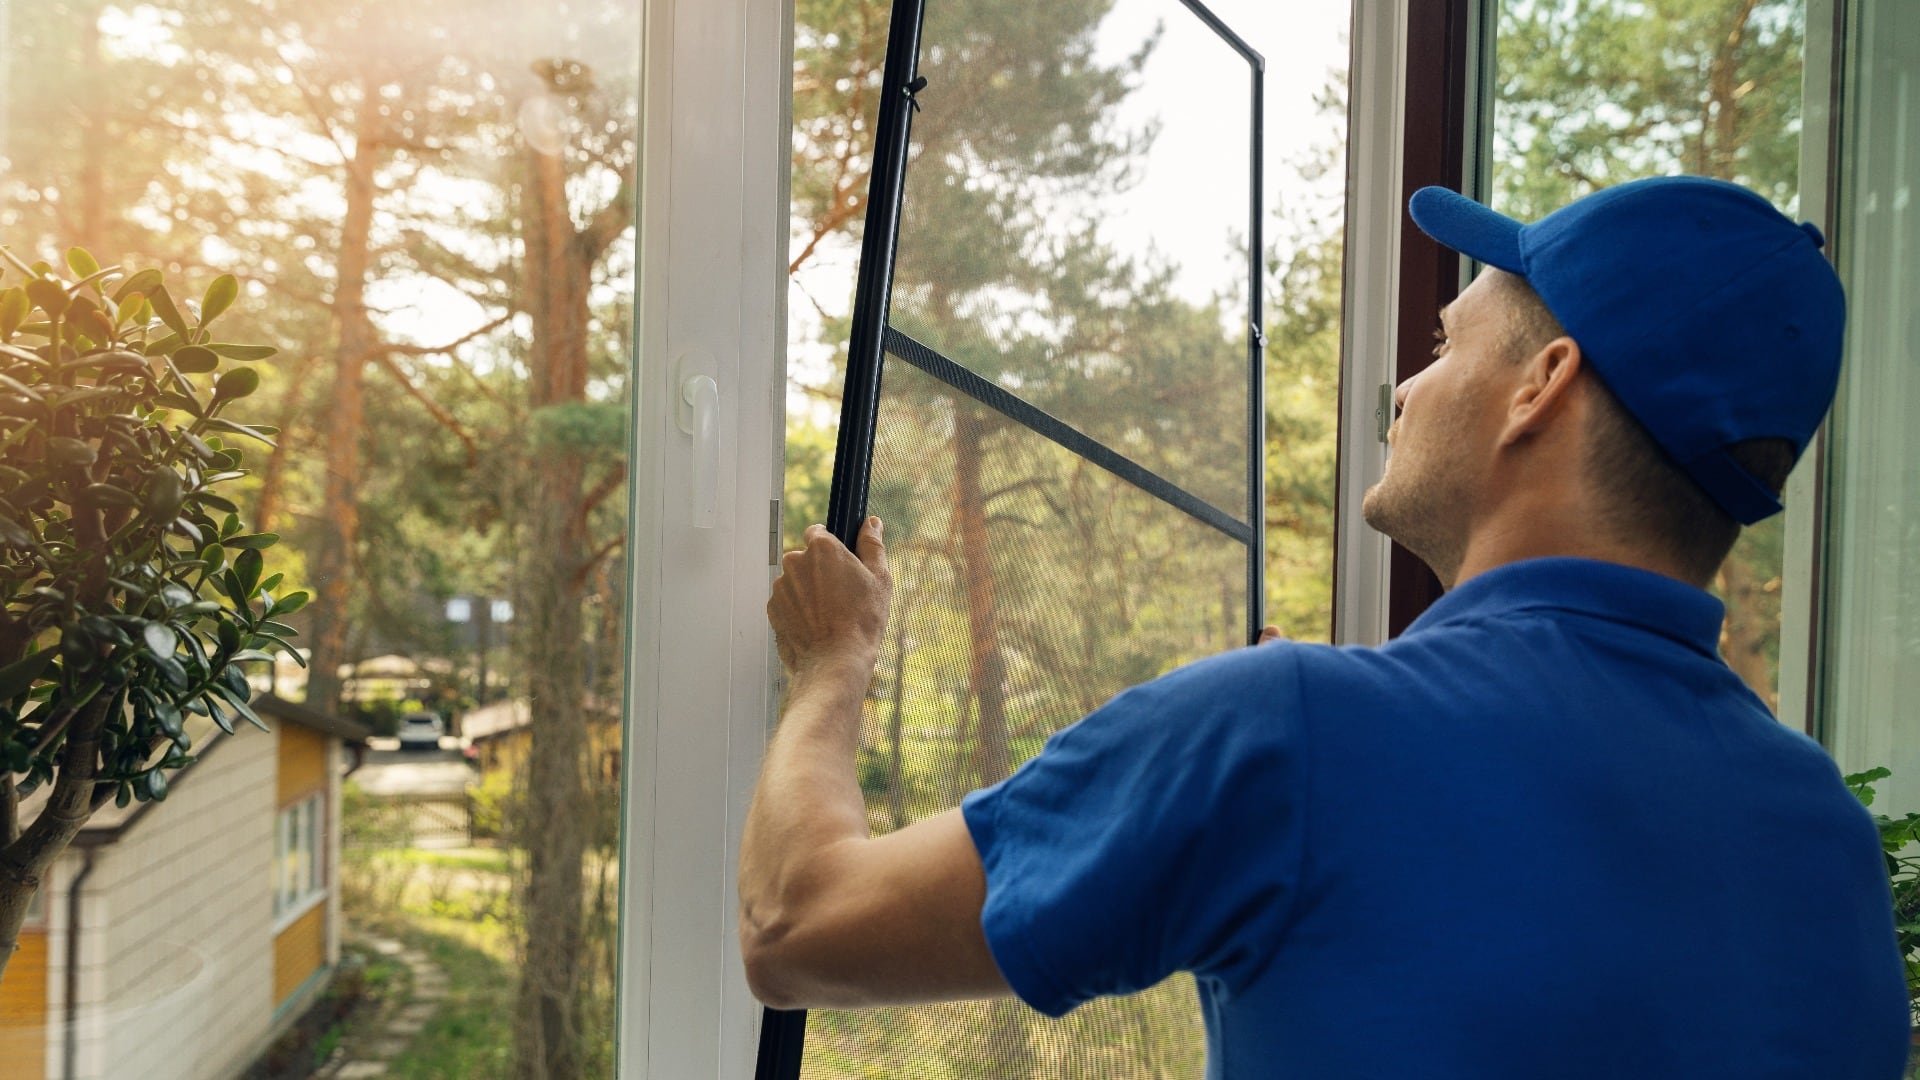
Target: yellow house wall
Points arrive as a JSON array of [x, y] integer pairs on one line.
[[298, 951], [303, 763], [23, 1010]]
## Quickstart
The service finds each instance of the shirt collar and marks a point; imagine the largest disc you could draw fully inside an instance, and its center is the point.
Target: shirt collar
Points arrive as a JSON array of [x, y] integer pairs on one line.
[[1622, 594]]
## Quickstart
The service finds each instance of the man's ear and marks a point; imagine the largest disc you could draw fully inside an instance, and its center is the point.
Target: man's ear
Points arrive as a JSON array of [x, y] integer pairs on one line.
[[1545, 390]]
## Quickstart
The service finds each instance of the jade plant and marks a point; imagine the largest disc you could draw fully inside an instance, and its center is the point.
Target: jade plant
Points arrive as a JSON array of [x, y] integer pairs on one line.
[[131, 595], [1897, 836]]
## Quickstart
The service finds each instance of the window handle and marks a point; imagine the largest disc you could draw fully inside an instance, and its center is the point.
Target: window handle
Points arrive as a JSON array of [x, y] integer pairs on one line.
[[702, 397]]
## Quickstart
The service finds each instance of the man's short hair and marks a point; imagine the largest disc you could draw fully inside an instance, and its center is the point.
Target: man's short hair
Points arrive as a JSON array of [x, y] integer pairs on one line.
[[1646, 496]]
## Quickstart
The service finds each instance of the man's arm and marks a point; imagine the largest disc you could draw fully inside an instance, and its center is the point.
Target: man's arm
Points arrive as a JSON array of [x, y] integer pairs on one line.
[[828, 916]]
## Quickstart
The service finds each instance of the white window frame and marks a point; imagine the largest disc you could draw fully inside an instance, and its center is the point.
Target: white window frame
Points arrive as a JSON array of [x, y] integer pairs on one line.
[[1376, 107], [712, 257], [299, 828]]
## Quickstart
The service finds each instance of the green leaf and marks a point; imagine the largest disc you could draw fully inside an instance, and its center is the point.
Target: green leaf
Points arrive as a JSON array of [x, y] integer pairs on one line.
[[81, 263], [64, 451], [123, 795], [156, 782], [272, 582], [220, 296], [142, 283], [18, 677], [243, 352], [48, 296], [246, 710], [195, 359], [165, 492], [260, 431], [14, 307], [163, 306], [10, 383], [160, 640], [178, 401], [252, 541], [248, 564], [108, 495], [219, 715], [289, 604], [235, 384], [14, 535]]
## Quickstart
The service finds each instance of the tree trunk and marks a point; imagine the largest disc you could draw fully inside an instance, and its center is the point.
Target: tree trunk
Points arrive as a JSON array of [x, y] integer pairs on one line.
[[333, 564], [547, 1034], [987, 670]]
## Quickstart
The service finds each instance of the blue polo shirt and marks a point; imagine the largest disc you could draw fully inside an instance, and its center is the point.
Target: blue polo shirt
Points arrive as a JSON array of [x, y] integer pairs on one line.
[[1544, 833]]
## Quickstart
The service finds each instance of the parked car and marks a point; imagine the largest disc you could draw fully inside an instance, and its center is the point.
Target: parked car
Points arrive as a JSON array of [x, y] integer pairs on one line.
[[421, 731]]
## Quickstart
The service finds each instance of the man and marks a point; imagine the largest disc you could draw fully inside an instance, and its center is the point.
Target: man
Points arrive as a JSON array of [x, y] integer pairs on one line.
[[1545, 832]]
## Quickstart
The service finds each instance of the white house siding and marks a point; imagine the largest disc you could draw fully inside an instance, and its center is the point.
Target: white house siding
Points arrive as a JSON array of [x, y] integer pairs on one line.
[[176, 953]]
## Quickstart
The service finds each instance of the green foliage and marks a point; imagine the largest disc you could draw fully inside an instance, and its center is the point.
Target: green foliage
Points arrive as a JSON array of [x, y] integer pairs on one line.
[[127, 579], [493, 804], [1897, 836]]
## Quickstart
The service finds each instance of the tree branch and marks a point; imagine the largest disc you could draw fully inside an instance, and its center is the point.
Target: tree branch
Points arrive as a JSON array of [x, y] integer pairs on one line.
[[579, 579], [607, 486], [440, 415], [608, 222]]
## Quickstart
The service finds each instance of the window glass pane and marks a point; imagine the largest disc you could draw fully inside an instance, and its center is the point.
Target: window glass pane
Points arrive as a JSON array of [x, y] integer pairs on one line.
[[428, 207], [1074, 207], [1593, 93], [1872, 618]]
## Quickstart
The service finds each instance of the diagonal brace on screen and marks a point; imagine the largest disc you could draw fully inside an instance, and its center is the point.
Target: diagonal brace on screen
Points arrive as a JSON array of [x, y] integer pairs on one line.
[[1042, 423]]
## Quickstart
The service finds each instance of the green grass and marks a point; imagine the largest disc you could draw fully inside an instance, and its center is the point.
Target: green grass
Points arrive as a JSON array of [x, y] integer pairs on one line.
[[471, 1036], [487, 860]]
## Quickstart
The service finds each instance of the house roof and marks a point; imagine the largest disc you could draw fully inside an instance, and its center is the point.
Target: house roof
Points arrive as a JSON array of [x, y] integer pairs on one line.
[[503, 717], [340, 727]]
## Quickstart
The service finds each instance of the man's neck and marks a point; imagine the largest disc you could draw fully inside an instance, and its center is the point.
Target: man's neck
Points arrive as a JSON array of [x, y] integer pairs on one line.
[[1554, 528]]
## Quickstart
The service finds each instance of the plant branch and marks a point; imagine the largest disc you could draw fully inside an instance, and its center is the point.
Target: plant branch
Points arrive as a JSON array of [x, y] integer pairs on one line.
[[9, 810], [68, 806]]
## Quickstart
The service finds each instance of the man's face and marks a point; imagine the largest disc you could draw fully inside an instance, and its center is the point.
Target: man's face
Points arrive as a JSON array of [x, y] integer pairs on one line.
[[1448, 427]]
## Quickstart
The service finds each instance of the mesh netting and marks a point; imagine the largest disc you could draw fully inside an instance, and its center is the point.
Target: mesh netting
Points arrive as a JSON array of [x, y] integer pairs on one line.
[[1062, 450]]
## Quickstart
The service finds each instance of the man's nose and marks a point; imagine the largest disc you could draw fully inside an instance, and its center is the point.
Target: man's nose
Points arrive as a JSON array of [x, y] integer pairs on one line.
[[1400, 393]]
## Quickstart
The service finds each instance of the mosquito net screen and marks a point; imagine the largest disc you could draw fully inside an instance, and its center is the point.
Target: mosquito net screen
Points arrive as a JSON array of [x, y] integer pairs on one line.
[[1063, 443]]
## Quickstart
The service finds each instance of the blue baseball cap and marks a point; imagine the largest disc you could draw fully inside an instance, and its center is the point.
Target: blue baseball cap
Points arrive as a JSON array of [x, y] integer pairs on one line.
[[1709, 314]]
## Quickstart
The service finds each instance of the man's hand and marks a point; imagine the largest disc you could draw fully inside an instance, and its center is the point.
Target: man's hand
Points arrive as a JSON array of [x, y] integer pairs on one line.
[[829, 608], [1270, 634]]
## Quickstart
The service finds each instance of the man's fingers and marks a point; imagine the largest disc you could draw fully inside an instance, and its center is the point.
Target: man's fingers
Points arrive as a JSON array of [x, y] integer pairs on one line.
[[1270, 633], [873, 551]]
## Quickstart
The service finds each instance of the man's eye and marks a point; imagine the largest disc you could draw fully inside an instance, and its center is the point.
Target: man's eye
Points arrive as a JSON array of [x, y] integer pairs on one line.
[[1439, 341]]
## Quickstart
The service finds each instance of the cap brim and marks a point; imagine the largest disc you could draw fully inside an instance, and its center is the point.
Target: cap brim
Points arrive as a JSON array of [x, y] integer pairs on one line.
[[1467, 227]]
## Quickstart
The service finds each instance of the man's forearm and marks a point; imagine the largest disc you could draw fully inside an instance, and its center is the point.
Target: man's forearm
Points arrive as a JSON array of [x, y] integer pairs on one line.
[[808, 798]]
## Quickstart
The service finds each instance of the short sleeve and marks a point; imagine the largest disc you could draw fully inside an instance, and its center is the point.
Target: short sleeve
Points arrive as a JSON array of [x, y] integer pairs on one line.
[[1160, 834]]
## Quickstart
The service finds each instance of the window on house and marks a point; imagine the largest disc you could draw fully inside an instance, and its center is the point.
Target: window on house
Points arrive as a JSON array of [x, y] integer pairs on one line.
[[1587, 95], [299, 858]]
